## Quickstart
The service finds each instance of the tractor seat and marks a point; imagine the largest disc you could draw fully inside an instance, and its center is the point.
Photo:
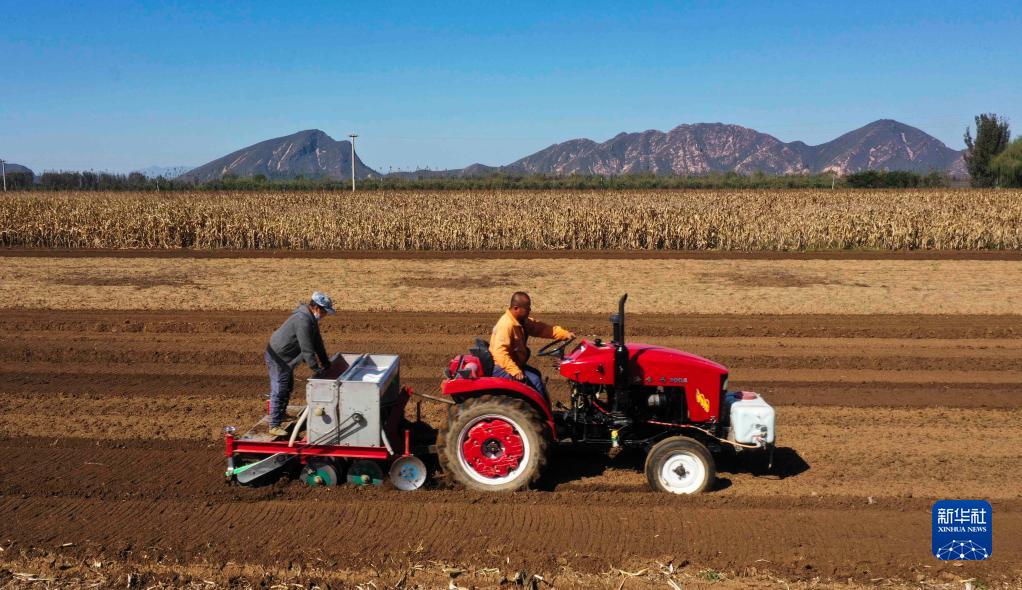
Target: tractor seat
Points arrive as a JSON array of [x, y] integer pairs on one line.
[[482, 351]]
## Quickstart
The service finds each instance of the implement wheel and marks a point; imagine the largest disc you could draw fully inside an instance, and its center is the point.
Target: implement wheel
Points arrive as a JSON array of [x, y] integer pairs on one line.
[[680, 465], [494, 444], [321, 473]]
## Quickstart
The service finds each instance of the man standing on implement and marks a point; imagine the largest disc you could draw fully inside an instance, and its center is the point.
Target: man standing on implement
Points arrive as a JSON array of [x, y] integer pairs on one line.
[[296, 340], [509, 342]]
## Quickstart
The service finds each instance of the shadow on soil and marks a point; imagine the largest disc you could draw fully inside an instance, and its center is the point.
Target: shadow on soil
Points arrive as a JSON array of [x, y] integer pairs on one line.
[[569, 465], [786, 463], [572, 464]]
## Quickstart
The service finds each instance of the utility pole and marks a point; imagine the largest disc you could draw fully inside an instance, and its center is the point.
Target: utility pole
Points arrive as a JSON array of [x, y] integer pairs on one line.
[[3, 168], [353, 136]]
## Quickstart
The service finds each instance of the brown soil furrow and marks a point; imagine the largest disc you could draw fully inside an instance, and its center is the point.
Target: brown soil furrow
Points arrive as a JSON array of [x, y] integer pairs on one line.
[[827, 451], [738, 287], [857, 376], [112, 426], [414, 359], [886, 394], [717, 537], [261, 323], [745, 374], [34, 393], [248, 346], [186, 469]]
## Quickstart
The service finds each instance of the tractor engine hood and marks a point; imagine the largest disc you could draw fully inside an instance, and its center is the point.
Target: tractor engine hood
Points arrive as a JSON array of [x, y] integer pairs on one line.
[[649, 365]]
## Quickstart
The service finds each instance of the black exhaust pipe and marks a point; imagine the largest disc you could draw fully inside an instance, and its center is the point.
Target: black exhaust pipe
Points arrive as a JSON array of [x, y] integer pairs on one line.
[[620, 350]]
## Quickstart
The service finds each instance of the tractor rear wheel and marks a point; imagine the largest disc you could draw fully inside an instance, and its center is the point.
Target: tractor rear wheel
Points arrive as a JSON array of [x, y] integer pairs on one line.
[[495, 444], [680, 465]]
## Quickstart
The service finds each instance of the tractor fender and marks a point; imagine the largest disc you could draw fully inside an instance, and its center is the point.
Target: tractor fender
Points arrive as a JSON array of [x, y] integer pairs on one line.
[[466, 388]]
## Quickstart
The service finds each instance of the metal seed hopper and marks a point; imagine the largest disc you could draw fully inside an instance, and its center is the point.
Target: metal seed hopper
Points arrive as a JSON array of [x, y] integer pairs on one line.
[[353, 422]]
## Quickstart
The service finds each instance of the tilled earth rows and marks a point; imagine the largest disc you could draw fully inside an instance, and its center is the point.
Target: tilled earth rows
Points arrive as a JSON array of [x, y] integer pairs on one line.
[[110, 441]]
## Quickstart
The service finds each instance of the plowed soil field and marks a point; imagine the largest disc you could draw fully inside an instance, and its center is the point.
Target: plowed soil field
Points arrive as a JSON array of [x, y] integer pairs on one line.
[[111, 459]]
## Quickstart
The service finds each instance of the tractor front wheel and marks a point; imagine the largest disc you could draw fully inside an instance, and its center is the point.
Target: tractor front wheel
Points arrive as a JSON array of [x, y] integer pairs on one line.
[[496, 444], [680, 465]]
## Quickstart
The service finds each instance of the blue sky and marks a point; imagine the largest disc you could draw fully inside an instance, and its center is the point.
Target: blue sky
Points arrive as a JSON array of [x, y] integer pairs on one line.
[[117, 86]]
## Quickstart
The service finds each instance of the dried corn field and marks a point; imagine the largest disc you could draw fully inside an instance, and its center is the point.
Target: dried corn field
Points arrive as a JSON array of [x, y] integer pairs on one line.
[[771, 220]]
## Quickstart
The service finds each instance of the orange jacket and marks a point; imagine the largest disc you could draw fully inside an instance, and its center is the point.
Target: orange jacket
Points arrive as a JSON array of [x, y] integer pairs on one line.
[[509, 341]]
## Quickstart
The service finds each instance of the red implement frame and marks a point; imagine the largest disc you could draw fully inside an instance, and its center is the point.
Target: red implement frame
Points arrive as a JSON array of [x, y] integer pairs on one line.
[[304, 450]]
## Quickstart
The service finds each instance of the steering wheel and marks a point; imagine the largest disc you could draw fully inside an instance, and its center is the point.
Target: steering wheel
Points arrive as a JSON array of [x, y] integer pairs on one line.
[[555, 348]]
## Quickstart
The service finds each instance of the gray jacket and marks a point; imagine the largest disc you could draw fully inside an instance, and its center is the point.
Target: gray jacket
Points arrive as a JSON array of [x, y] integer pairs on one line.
[[298, 339]]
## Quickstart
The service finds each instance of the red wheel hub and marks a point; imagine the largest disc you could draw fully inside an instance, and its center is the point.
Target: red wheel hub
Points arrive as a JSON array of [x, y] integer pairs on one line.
[[493, 448]]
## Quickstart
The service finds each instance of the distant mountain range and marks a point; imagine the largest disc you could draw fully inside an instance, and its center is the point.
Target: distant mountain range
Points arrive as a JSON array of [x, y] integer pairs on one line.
[[686, 150], [716, 147], [12, 168], [167, 172], [310, 154]]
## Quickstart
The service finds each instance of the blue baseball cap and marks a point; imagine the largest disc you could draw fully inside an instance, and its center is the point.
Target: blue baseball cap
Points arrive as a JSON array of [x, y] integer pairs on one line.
[[323, 300]]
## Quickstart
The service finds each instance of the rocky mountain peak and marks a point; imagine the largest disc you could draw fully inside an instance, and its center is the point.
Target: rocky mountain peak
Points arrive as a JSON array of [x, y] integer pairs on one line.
[[310, 154], [700, 148]]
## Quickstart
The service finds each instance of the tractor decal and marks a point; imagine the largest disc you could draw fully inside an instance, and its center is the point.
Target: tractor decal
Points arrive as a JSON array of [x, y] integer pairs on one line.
[[703, 402]]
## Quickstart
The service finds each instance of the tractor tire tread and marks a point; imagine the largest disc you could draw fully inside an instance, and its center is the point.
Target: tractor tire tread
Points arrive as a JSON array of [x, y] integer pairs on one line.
[[498, 404]]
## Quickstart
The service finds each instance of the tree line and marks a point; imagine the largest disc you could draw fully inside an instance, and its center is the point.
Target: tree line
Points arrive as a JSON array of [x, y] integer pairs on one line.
[[91, 181], [66, 180]]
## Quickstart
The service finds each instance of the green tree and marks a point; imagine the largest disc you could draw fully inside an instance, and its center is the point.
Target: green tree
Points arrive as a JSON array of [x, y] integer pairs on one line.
[[992, 136], [894, 179], [1007, 166], [19, 181]]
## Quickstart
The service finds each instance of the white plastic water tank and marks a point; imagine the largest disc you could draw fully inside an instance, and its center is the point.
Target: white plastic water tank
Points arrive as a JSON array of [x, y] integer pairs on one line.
[[750, 415]]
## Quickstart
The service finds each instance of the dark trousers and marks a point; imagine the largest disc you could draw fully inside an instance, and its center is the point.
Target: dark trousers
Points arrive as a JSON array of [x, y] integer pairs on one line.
[[532, 377], [282, 381]]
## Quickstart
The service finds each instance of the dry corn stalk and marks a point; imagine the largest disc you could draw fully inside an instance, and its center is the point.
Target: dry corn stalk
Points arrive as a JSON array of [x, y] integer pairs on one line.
[[782, 220]]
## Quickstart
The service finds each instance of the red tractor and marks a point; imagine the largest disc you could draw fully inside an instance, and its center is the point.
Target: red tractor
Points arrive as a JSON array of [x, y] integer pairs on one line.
[[673, 405]]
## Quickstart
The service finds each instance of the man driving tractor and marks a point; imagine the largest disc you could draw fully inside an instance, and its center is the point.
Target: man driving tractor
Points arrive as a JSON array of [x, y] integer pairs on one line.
[[509, 342], [296, 340]]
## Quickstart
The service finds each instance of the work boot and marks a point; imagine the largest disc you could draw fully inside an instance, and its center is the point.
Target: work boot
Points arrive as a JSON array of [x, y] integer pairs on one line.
[[277, 431]]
